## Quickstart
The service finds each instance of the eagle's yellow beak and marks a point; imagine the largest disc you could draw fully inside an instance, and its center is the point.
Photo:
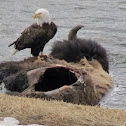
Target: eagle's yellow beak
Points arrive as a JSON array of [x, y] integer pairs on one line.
[[36, 16]]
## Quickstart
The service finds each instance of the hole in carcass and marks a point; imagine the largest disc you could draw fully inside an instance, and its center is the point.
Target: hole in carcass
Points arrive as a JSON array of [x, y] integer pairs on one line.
[[54, 78]]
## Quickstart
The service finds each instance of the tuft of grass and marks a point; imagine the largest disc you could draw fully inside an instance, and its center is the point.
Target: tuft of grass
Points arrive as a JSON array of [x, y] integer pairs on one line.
[[58, 113]]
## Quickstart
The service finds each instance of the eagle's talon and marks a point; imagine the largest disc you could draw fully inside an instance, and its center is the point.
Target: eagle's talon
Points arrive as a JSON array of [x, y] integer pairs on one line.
[[43, 57]]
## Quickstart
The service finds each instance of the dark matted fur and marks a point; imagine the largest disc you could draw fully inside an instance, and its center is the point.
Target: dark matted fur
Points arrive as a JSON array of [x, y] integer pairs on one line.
[[7, 69], [74, 50], [16, 82]]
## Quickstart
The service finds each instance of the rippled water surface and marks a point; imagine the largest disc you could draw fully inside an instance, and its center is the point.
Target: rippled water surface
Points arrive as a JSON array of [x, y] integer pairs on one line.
[[104, 21]]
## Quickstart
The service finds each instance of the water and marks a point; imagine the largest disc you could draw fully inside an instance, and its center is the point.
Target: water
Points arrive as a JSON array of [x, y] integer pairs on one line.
[[104, 21]]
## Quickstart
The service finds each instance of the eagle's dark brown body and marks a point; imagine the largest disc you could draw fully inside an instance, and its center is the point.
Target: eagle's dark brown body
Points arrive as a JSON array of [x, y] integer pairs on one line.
[[35, 37]]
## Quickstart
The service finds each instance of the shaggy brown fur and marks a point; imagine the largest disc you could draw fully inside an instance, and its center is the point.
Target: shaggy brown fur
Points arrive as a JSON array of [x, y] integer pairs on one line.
[[56, 79]]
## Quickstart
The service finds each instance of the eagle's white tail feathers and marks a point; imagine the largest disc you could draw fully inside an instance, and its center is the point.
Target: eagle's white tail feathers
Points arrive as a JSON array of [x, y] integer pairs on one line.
[[13, 51]]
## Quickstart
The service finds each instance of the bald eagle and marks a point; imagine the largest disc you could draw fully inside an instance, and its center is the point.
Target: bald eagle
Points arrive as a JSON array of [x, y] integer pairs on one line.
[[74, 49], [36, 35]]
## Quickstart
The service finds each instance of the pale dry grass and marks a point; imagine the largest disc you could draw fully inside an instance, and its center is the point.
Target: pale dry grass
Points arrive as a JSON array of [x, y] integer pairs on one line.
[[58, 113]]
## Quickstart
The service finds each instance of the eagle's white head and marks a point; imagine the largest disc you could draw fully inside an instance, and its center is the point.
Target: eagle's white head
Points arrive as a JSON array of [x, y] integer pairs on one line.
[[42, 16]]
